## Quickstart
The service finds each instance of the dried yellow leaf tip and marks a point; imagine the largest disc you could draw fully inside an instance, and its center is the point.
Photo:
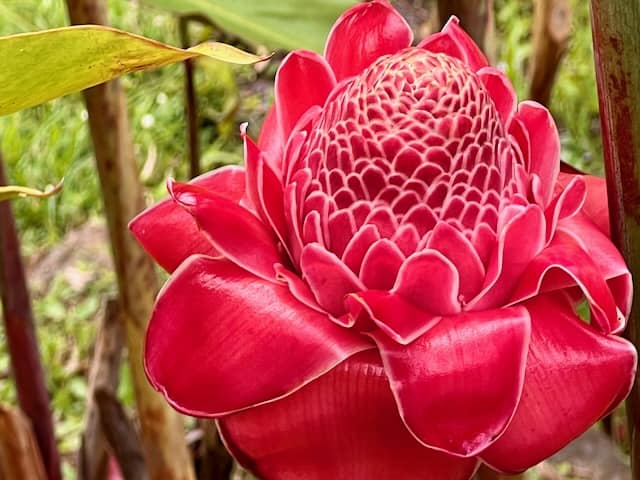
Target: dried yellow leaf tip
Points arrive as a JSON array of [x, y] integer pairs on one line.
[[13, 191], [41, 66], [227, 53]]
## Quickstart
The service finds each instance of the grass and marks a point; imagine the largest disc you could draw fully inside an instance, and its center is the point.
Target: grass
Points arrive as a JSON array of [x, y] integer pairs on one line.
[[42, 144]]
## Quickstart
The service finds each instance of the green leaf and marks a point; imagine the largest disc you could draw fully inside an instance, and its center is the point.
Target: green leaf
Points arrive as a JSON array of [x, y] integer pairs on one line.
[[13, 191], [40, 66], [287, 24]]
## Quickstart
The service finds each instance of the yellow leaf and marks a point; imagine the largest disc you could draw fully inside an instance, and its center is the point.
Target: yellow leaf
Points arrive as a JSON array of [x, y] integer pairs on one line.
[[13, 191], [36, 67]]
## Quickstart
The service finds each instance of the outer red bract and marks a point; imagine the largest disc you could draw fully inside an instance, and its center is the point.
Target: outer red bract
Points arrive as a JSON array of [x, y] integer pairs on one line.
[[389, 287]]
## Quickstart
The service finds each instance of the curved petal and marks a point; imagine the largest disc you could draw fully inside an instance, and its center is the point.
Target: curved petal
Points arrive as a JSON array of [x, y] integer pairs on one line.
[[457, 386], [399, 319], [595, 205], [573, 377], [544, 146], [455, 42], [221, 340], [232, 229], [329, 279], [522, 238], [264, 188], [566, 204], [501, 92], [429, 281], [364, 33], [456, 247], [271, 139], [170, 235], [381, 264], [565, 264], [604, 255], [304, 79], [339, 427]]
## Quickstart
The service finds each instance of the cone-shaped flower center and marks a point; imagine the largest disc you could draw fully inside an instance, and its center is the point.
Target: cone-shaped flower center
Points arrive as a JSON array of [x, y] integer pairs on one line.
[[414, 140]]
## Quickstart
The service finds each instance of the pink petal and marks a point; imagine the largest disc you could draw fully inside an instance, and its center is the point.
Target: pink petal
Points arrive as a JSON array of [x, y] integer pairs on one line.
[[363, 34], [343, 426], [566, 204], [329, 279], [170, 235], [521, 239], [271, 139], [429, 281], [501, 92], [544, 144], [264, 188], [565, 264], [297, 287], [304, 79], [574, 376], [253, 157], [595, 206], [604, 255], [455, 246], [381, 264], [221, 339], [455, 42], [232, 229], [397, 318], [457, 386], [358, 246]]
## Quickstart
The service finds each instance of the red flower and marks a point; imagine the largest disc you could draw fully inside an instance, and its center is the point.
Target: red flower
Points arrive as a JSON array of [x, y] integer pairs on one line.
[[389, 287]]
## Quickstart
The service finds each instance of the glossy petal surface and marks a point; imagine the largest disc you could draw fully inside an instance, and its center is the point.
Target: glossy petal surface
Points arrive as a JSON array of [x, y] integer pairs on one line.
[[232, 229], [459, 400], [363, 34], [283, 345], [574, 376], [170, 235], [343, 426], [304, 79]]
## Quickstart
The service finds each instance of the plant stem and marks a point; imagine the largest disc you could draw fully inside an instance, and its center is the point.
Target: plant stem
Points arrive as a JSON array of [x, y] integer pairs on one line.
[[21, 339], [191, 101], [617, 59], [551, 34], [162, 430], [476, 17]]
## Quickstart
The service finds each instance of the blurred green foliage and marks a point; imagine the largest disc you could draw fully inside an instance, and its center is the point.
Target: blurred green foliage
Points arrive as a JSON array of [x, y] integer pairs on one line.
[[574, 101], [45, 143]]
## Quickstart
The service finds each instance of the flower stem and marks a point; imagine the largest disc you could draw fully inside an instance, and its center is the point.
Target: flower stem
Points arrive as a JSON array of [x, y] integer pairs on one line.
[[616, 46]]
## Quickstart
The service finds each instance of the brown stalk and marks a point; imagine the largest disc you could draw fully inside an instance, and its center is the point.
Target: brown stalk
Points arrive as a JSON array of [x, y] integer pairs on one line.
[[162, 429], [617, 58], [476, 17], [551, 34], [191, 101], [19, 452], [121, 436], [93, 457], [21, 339]]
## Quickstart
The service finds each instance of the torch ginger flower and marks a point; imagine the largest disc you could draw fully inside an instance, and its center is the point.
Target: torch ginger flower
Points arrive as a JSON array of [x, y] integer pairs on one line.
[[389, 287]]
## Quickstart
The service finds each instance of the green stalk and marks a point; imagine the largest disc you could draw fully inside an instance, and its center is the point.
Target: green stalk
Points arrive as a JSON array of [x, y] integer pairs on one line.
[[617, 57]]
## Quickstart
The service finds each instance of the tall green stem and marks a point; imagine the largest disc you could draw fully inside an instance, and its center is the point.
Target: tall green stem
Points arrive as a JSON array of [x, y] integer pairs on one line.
[[617, 56]]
